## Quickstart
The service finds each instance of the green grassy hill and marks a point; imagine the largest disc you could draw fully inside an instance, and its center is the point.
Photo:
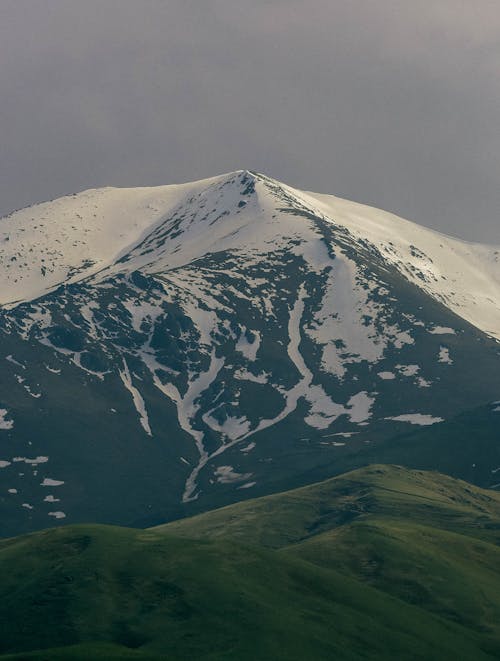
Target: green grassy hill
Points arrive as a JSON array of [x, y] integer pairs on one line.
[[380, 563], [391, 491]]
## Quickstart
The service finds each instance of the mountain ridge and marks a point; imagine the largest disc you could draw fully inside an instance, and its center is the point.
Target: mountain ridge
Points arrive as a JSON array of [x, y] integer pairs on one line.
[[377, 226]]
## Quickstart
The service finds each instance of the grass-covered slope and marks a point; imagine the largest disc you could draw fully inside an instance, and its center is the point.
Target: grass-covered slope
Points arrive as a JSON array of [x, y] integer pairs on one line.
[[413, 496], [201, 600], [446, 573], [381, 563]]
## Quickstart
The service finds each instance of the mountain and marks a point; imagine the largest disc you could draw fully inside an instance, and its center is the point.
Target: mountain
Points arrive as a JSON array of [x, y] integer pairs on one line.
[[380, 563], [464, 446], [169, 350]]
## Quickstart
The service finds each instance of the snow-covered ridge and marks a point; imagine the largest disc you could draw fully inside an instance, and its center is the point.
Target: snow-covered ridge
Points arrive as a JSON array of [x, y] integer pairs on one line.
[[112, 230], [464, 276], [73, 237]]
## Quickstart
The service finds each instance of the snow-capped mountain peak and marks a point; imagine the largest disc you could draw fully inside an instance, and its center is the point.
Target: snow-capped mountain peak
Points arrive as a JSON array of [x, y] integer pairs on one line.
[[208, 339], [114, 230]]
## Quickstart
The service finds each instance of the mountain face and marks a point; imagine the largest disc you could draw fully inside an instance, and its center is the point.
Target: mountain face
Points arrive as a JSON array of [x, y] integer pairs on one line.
[[167, 350]]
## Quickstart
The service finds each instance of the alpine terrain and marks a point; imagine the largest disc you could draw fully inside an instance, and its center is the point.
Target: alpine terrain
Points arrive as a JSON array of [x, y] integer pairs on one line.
[[168, 350]]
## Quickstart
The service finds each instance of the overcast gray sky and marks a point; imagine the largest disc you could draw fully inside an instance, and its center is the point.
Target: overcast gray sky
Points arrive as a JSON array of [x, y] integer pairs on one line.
[[394, 103]]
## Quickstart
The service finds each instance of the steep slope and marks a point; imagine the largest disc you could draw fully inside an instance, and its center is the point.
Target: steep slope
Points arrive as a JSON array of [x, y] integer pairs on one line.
[[463, 276], [231, 337], [346, 569], [465, 446]]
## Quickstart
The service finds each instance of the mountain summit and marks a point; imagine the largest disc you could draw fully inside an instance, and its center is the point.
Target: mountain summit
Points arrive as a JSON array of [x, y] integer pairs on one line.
[[173, 348], [162, 228]]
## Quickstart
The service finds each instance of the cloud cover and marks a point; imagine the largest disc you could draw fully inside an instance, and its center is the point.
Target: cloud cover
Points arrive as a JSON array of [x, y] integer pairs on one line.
[[392, 103]]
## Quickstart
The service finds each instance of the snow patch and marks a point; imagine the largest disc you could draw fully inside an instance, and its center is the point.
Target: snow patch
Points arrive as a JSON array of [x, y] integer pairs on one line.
[[49, 482], [248, 448], [442, 330], [444, 356], [227, 475], [245, 375], [34, 462], [247, 348], [4, 423], [416, 419], [231, 428], [408, 370], [139, 404]]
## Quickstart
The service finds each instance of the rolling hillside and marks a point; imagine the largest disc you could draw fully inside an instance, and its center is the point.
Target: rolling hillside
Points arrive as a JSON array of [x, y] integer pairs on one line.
[[380, 563]]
